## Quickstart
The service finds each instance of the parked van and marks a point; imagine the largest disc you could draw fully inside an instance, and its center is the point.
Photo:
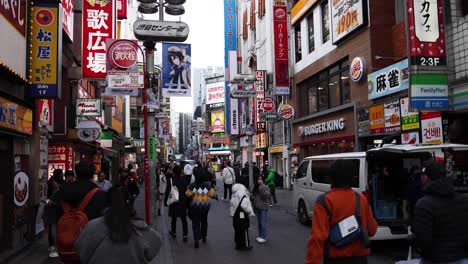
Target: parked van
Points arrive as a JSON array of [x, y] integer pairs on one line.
[[388, 176]]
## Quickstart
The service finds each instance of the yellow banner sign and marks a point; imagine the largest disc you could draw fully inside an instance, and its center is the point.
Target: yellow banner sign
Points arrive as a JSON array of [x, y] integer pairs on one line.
[[15, 117]]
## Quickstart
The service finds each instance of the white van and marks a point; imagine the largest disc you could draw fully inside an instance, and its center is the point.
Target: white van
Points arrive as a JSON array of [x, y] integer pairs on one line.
[[386, 176]]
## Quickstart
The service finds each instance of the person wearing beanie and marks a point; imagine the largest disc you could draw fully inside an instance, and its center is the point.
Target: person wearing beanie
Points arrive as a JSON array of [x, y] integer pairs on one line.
[[440, 217]]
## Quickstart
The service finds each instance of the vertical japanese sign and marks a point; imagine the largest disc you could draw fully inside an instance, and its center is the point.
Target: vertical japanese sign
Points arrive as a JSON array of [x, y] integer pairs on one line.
[[67, 18], [176, 70], [98, 25], [377, 123], [431, 128], [61, 156], [230, 53], [426, 32], [259, 85], [121, 9], [46, 42], [152, 148], [392, 116], [427, 52], [280, 31], [45, 113]]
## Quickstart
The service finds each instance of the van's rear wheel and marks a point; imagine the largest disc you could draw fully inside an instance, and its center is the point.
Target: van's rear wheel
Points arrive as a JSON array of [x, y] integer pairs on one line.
[[302, 213]]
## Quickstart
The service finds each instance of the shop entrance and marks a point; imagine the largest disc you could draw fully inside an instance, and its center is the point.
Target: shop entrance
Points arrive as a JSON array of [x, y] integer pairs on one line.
[[6, 202]]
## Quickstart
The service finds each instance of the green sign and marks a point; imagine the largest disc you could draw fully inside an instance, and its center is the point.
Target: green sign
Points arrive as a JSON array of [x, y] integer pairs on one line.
[[152, 148], [271, 116], [409, 120]]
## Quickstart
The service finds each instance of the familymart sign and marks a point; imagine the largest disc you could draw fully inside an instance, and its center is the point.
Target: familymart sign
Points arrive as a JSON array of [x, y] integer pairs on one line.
[[429, 91]]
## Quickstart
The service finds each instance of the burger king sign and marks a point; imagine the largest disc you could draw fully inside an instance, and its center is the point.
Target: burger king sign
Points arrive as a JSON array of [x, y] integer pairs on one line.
[[356, 70], [286, 111]]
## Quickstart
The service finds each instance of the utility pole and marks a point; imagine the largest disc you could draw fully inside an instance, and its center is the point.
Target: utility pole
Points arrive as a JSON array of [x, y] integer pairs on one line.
[[150, 122]]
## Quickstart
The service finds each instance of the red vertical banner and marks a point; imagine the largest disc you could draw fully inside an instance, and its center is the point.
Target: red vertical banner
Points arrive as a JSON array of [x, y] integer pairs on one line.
[[67, 18], [98, 25], [121, 9], [426, 32], [280, 31]]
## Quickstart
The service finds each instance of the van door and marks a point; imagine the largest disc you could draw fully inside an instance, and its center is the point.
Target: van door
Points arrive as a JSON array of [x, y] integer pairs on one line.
[[301, 200]]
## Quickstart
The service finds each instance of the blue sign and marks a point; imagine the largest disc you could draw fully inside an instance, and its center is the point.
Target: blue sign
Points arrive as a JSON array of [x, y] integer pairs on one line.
[[389, 80], [429, 92], [230, 43]]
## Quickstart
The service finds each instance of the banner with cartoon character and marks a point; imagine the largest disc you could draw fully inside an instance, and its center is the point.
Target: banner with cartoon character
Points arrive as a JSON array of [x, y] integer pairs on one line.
[[176, 62]]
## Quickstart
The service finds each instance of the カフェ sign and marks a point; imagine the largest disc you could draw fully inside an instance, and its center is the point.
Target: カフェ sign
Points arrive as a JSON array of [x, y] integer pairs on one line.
[[322, 127], [88, 107]]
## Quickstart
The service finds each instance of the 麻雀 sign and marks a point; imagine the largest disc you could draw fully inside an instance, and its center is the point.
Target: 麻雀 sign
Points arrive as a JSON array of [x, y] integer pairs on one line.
[[88, 107]]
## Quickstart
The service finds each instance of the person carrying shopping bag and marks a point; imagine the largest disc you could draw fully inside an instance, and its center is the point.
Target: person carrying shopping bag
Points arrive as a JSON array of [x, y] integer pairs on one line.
[[177, 209]]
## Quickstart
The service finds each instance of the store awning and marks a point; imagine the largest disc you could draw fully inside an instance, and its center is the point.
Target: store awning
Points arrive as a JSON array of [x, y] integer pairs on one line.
[[219, 152]]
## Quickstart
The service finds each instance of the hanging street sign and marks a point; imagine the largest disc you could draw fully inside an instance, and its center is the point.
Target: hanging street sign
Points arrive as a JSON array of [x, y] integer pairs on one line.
[[268, 105], [269, 116], [160, 30], [242, 93]]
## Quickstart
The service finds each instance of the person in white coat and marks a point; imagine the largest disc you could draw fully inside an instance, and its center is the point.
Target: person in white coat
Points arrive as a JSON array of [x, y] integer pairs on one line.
[[241, 209], [162, 184], [229, 178]]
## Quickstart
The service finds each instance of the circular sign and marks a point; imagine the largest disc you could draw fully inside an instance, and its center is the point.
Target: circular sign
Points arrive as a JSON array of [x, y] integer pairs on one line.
[[44, 17], [21, 188], [286, 111], [280, 13], [356, 70], [123, 55], [268, 105], [88, 134]]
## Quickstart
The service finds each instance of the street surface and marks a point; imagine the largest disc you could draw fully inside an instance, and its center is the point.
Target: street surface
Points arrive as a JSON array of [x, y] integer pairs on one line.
[[287, 239]]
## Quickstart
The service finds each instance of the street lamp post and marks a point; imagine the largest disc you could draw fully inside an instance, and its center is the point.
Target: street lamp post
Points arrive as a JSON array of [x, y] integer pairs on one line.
[[244, 80]]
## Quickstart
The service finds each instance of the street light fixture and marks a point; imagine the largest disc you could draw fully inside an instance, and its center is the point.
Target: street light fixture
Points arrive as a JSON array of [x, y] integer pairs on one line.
[[171, 7], [243, 80]]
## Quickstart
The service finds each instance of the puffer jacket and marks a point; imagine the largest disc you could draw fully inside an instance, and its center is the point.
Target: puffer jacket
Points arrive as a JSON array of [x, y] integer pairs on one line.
[[270, 180], [262, 197], [239, 191], [440, 223]]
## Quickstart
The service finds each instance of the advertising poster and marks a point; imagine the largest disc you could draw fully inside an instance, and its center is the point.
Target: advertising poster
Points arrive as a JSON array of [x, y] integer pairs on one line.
[[392, 116], [235, 126], [88, 107], [217, 121], [46, 52], [176, 73], [410, 138], [98, 25], [363, 122], [409, 120], [61, 156], [347, 16], [377, 123], [215, 93], [431, 128], [163, 125]]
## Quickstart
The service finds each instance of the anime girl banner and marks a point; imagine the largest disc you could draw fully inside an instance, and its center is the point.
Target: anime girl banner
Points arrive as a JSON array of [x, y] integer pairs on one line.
[[176, 70]]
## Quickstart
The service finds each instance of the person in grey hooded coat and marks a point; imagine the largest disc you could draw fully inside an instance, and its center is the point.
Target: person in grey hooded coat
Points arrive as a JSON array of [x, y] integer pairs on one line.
[[117, 237]]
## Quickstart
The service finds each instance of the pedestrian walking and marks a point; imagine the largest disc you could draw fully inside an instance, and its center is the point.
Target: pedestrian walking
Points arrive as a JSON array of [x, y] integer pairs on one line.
[[51, 210], [118, 236], [440, 217], [80, 201], [162, 185], [261, 198], [229, 178], [199, 193], [130, 182], [102, 182], [271, 182], [70, 176], [335, 209], [178, 209], [211, 174], [241, 210]]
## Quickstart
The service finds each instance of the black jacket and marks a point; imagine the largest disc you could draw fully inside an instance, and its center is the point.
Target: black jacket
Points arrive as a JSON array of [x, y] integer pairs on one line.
[[177, 209], [440, 223], [74, 193]]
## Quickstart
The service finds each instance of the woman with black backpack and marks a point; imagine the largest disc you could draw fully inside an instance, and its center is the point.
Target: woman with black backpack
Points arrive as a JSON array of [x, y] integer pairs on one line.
[[241, 210]]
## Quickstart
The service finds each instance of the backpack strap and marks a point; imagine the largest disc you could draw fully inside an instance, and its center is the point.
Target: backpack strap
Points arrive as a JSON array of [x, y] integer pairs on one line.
[[357, 210], [241, 201], [321, 200], [357, 213], [87, 199]]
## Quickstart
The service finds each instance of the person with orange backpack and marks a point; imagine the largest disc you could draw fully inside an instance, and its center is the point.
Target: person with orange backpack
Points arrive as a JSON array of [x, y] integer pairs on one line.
[[79, 202]]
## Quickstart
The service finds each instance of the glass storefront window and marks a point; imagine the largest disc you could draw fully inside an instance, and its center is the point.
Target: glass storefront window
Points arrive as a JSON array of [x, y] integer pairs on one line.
[[323, 95], [297, 42], [345, 87], [335, 91], [312, 98], [310, 25]]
